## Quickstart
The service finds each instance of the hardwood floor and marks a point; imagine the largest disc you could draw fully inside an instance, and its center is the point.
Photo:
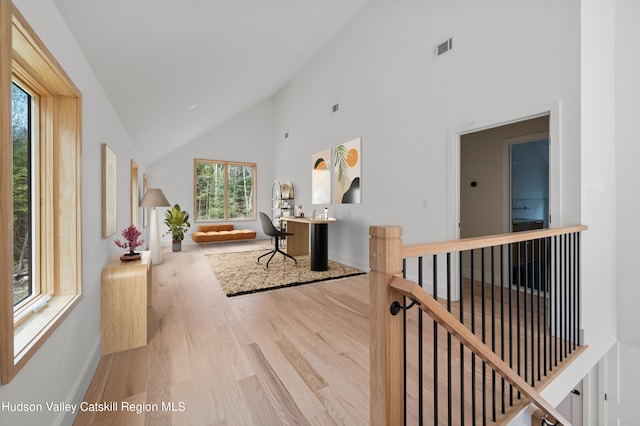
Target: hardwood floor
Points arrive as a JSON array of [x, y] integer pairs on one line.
[[291, 356], [295, 356]]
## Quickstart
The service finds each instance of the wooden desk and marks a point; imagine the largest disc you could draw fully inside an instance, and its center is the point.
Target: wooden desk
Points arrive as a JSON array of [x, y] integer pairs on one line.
[[126, 294], [311, 236]]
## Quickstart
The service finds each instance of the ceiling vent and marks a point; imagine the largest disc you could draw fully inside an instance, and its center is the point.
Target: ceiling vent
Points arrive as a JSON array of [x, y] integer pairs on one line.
[[444, 47]]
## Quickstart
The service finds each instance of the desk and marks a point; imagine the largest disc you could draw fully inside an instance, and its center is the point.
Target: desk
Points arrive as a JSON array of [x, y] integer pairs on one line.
[[126, 295], [307, 230]]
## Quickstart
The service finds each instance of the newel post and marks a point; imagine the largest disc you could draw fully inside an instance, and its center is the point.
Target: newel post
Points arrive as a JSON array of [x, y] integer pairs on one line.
[[387, 381]]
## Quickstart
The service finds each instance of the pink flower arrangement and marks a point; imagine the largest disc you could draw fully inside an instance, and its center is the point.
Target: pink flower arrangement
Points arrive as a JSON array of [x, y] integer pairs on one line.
[[131, 235]]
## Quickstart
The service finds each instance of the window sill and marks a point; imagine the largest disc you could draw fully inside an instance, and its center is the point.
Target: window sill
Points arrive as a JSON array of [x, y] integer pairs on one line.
[[37, 325]]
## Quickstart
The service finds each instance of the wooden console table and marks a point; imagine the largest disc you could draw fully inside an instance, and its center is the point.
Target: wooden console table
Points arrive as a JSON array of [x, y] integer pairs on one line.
[[126, 294]]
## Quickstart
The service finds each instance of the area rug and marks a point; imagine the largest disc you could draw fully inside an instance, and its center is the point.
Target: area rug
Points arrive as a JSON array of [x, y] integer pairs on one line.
[[238, 273]]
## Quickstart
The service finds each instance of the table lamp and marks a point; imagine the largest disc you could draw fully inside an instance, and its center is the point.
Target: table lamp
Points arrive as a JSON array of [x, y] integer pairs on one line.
[[154, 198]]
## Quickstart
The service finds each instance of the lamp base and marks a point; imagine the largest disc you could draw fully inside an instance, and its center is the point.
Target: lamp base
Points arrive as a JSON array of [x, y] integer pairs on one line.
[[154, 238]]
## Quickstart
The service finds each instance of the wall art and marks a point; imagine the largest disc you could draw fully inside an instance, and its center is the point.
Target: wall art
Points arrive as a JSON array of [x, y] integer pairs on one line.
[[321, 177], [347, 179], [109, 192]]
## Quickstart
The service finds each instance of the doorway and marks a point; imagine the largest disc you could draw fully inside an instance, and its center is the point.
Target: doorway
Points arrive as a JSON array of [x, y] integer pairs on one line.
[[487, 194]]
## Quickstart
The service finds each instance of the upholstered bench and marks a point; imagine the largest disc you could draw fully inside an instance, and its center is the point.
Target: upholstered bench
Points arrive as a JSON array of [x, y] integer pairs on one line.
[[220, 233]]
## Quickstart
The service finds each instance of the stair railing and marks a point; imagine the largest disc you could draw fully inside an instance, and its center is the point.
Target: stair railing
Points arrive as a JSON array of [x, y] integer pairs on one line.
[[542, 269]]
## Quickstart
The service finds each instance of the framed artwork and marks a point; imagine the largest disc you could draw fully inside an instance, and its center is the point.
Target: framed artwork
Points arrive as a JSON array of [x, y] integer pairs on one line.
[[135, 196], [347, 179], [109, 191], [145, 184], [321, 177]]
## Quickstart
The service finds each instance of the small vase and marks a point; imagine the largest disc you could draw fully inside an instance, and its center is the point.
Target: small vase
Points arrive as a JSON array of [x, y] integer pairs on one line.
[[177, 245]]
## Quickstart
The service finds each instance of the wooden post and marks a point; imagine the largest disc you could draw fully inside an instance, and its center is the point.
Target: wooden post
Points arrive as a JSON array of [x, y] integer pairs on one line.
[[386, 357]]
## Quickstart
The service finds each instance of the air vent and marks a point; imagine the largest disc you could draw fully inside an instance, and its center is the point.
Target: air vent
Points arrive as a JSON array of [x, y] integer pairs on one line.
[[444, 47]]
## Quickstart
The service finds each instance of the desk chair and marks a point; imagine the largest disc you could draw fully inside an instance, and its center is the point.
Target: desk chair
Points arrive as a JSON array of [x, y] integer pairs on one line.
[[272, 231]]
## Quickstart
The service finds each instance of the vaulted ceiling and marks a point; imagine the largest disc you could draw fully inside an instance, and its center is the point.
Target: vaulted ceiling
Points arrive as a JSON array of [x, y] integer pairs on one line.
[[174, 70]]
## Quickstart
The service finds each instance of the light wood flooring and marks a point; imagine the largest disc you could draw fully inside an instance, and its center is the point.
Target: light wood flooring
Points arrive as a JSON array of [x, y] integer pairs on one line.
[[293, 356]]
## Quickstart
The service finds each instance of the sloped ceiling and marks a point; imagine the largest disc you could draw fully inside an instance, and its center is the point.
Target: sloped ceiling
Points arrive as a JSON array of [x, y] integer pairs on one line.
[[174, 70]]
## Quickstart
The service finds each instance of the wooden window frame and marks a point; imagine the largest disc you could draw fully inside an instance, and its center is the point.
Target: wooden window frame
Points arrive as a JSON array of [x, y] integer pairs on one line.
[[57, 179], [226, 164]]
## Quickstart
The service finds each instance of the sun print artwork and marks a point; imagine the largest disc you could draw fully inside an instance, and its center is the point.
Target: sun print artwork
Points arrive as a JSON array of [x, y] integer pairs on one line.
[[321, 177], [347, 173]]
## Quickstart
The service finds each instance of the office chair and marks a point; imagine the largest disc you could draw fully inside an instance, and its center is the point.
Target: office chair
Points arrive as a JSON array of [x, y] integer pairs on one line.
[[272, 231]]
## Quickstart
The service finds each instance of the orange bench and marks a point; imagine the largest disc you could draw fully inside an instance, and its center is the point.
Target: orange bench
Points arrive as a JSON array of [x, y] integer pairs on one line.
[[220, 233]]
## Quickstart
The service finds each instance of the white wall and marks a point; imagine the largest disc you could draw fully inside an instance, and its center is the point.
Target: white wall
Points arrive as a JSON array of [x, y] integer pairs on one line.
[[62, 368], [627, 159], [623, 393], [405, 103], [623, 378], [246, 138]]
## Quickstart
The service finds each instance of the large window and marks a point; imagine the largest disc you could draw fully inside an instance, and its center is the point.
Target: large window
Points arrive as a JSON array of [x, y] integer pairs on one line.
[[224, 190], [40, 193]]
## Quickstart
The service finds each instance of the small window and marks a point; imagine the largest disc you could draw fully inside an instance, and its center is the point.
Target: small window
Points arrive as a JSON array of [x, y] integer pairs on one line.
[[224, 190], [23, 282]]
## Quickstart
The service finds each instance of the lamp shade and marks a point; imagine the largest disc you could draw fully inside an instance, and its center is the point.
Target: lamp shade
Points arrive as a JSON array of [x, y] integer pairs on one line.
[[154, 198]]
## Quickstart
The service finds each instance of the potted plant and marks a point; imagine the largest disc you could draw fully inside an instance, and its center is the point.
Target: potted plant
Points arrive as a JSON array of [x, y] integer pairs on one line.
[[131, 242], [178, 222]]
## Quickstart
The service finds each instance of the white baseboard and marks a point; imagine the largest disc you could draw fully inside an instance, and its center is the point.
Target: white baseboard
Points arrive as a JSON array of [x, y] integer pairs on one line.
[[79, 389]]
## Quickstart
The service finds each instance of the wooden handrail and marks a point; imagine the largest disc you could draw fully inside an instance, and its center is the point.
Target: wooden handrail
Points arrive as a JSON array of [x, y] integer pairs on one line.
[[429, 305], [427, 249]]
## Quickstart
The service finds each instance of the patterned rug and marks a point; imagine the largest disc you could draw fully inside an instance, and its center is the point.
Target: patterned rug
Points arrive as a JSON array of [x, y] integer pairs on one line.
[[238, 273]]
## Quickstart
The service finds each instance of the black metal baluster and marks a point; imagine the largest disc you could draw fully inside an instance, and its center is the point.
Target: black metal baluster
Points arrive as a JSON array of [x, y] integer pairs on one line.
[[493, 333], [420, 355], [527, 283], [576, 286], [461, 278], [404, 344], [502, 335], [435, 344], [531, 305], [579, 285], [484, 335], [547, 285], [473, 330], [518, 329], [555, 301], [511, 318], [565, 300], [449, 375], [570, 297]]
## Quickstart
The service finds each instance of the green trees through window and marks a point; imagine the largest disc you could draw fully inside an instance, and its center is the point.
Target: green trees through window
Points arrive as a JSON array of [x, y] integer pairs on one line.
[[224, 190], [22, 223]]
